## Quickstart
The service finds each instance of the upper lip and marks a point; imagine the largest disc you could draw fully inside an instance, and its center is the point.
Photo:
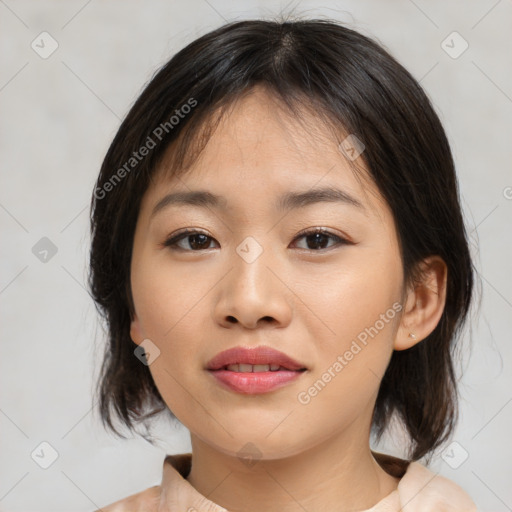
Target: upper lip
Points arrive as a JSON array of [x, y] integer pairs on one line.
[[255, 355]]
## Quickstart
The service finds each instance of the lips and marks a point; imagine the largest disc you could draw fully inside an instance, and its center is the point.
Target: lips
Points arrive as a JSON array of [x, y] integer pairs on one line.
[[254, 371], [257, 358]]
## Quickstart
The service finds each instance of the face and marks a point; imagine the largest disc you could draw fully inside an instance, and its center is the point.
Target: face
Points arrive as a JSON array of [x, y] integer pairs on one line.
[[253, 272]]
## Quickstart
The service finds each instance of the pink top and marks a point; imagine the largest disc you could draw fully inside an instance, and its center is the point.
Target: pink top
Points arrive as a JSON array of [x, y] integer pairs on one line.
[[419, 490]]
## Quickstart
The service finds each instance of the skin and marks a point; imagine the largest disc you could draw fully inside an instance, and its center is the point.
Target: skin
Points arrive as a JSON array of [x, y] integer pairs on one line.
[[308, 302]]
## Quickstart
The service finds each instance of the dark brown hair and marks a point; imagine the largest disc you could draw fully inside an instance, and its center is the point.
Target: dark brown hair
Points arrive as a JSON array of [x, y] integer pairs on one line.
[[342, 76]]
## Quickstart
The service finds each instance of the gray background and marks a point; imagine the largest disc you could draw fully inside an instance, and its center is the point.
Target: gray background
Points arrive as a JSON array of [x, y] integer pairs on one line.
[[59, 115]]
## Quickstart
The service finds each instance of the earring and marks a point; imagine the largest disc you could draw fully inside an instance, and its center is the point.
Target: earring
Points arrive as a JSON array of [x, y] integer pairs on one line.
[[412, 335]]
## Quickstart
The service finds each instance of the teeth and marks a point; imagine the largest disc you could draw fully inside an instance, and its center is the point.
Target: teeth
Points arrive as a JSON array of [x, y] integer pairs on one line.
[[261, 368], [248, 368]]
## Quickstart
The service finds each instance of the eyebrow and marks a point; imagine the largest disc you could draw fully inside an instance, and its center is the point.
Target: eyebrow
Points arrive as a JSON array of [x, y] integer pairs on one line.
[[288, 201]]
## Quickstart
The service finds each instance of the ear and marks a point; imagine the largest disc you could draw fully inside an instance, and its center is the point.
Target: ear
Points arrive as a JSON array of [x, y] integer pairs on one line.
[[424, 303], [136, 333]]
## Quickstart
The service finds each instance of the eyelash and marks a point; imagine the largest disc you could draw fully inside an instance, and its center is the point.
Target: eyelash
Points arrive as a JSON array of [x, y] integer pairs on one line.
[[172, 241]]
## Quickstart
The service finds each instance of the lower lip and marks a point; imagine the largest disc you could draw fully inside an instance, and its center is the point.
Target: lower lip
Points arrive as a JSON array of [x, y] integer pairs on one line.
[[251, 383]]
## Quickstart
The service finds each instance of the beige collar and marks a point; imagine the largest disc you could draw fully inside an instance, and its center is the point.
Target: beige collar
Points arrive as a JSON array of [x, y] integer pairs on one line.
[[419, 489]]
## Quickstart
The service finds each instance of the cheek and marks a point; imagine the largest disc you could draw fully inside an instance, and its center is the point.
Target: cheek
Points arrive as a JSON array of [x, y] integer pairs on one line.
[[348, 299], [165, 299]]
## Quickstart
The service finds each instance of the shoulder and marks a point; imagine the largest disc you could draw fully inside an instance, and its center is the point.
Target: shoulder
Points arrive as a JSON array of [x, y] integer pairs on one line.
[[425, 490], [144, 501]]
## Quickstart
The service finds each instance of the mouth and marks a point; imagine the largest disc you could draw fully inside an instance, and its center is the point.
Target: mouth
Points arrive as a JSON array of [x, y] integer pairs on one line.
[[254, 370]]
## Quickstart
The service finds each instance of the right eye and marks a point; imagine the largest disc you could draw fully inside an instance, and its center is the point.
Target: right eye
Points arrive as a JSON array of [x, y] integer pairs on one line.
[[195, 240]]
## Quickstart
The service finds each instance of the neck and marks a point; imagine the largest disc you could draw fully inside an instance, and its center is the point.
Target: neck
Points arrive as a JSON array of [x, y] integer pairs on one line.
[[334, 475]]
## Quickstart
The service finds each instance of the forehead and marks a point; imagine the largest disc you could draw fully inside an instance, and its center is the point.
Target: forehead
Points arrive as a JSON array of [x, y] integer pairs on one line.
[[262, 149]]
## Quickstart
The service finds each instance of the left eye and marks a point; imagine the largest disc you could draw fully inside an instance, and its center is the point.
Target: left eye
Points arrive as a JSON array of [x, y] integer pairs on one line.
[[316, 239], [319, 238]]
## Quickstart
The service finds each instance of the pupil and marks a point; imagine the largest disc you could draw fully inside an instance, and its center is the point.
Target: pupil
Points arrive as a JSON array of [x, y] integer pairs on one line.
[[318, 239], [203, 239]]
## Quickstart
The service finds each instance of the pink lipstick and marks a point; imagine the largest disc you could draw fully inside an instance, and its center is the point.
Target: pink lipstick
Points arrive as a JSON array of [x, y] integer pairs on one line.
[[254, 370]]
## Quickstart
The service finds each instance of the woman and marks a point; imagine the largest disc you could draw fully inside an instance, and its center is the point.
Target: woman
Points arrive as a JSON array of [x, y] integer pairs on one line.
[[279, 253]]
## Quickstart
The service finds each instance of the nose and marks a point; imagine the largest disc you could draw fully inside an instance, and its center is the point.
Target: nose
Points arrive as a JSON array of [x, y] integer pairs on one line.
[[254, 294]]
